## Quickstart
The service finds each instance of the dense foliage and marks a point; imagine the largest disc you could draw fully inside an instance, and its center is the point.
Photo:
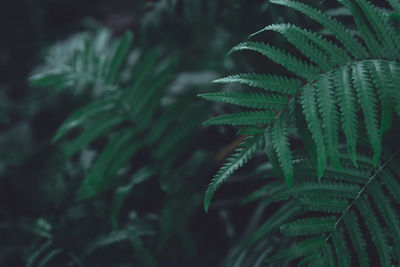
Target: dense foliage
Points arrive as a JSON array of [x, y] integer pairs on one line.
[[104, 160]]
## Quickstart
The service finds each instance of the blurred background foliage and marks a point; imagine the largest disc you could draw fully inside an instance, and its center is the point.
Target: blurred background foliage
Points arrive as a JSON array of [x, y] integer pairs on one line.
[[150, 213]]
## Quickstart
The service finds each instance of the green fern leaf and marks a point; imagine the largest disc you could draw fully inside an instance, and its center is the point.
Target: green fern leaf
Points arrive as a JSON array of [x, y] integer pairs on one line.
[[242, 118], [278, 84], [327, 189], [342, 250], [310, 110], [270, 151], [348, 110], [327, 106], [382, 28], [293, 64], [100, 173], [303, 44], [281, 144], [240, 157], [275, 221], [309, 226], [119, 56], [335, 27], [374, 45], [335, 53], [391, 183], [368, 101], [388, 213], [82, 116], [299, 250], [356, 236], [379, 72], [251, 100], [324, 204], [91, 132], [375, 229]]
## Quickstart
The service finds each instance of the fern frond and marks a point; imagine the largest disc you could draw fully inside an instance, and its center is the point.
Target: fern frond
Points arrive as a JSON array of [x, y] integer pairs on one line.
[[335, 53], [310, 110], [382, 28], [303, 44], [293, 64], [389, 214], [324, 204], [348, 109], [391, 184], [368, 101], [273, 83], [334, 26], [341, 247], [82, 116], [373, 44], [298, 250], [240, 157], [309, 226], [251, 99], [327, 106], [242, 118], [380, 74], [375, 229], [281, 144], [356, 236], [334, 189], [270, 150], [274, 221]]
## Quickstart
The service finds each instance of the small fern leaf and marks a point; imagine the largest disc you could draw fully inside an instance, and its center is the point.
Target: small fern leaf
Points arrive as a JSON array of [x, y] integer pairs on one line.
[[273, 83], [368, 101], [281, 144], [341, 247], [99, 175], [380, 74], [334, 26], [348, 110], [293, 64], [299, 250], [388, 213], [327, 106], [381, 26], [82, 116], [356, 236], [237, 160], [309, 226], [335, 53], [391, 183], [270, 151], [303, 44], [119, 56], [373, 44], [376, 230], [97, 128], [310, 110], [329, 255], [284, 213], [324, 204], [251, 100], [327, 189], [242, 118]]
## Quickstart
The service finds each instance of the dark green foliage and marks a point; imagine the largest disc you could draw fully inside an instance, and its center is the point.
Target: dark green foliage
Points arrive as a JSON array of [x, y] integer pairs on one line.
[[344, 97]]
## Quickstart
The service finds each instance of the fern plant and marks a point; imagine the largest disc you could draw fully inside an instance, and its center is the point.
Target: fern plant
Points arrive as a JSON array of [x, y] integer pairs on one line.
[[340, 85], [133, 129], [346, 88]]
